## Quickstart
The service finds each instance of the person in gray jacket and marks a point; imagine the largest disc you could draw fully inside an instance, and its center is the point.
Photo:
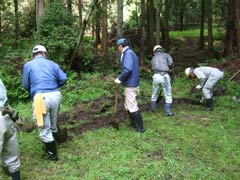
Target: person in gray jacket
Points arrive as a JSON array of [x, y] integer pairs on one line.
[[209, 77], [162, 65], [9, 149]]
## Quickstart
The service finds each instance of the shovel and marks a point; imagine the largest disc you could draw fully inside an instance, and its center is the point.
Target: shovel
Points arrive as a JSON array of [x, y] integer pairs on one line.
[[62, 135], [115, 122]]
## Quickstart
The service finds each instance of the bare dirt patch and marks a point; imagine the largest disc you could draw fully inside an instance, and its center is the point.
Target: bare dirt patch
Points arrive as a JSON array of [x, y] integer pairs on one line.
[[92, 115]]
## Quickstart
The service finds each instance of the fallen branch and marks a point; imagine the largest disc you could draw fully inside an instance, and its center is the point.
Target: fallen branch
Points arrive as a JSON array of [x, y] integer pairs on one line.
[[234, 76], [81, 33]]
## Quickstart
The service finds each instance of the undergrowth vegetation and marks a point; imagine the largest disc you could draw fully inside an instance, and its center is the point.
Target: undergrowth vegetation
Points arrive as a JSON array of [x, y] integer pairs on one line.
[[192, 32], [193, 144]]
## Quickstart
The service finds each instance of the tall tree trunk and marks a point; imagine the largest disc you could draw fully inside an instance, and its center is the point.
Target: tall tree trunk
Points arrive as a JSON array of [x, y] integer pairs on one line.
[[158, 19], [40, 4], [210, 36], [201, 41], [81, 33], [183, 5], [97, 25], [1, 3], [181, 15], [69, 6], [166, 33], [229, 38], [104, 31], [119, 18], [16, 21], [80, 12], [143, 31], [150, 26], [237, 7], [119, 24]]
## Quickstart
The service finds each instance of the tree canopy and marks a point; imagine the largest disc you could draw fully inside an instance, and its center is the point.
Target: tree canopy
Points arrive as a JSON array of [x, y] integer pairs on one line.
[[56, 24]]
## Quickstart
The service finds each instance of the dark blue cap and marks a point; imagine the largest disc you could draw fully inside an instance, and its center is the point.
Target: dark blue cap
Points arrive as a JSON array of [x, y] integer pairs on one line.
[[121, 41]]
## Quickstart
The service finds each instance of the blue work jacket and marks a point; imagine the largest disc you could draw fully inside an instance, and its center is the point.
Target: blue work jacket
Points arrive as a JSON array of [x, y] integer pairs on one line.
[[42, 75], [130, 69]]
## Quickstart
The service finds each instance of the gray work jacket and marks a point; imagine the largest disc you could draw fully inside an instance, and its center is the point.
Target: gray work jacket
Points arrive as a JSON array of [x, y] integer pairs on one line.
[[162, 62]]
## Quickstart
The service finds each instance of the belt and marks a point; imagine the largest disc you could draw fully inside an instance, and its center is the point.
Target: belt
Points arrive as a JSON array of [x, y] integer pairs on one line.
[[161, 72]]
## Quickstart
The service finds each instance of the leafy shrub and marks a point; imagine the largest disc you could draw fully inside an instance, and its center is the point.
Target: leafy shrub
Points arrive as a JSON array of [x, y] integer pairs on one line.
[[12, 79], [12, 59], [133, 23], [57, 32], [86, 86]]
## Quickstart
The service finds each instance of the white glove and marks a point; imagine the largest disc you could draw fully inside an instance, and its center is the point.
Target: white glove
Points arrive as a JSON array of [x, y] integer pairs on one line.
[[117, 81], [198, 87]]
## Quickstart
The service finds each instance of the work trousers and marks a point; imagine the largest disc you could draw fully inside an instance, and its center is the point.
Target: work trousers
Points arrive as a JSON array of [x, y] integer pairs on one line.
[[52, 102], [130, 103], [9, 148], [211, 83], [162, 81]]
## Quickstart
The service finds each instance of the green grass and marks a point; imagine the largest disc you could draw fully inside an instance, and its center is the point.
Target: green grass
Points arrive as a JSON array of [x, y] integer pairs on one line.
[[195, 33], [193, 144]]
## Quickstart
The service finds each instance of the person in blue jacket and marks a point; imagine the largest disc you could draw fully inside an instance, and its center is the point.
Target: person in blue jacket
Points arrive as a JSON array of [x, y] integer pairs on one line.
[[45, 77], [129, 77]]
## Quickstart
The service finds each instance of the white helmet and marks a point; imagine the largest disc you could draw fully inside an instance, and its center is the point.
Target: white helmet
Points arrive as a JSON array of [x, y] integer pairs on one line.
[[39, 48], [188, 71], [157, 47]]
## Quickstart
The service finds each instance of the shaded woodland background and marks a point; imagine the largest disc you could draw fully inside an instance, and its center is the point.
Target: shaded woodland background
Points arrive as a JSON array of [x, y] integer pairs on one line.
[[151, 19], [80, 35]]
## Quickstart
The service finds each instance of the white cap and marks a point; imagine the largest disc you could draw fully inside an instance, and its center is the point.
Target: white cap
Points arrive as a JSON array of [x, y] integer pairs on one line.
[[188, 71], [157, 47], [39, 48]]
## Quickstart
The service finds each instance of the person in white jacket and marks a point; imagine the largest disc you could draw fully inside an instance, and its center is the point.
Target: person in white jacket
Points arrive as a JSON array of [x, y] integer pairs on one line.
[[9, 148], [209, 77]]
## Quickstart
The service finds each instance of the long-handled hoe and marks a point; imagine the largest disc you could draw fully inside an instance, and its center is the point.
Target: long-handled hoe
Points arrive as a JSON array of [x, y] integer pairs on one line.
[[115, 122]]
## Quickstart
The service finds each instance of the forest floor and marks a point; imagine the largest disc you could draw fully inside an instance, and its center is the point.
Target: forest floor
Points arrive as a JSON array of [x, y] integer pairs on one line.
[[99, 144], [93, 113]]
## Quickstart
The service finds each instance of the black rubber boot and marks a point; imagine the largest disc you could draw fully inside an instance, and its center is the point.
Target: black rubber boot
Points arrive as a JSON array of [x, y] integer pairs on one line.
[[5, 170], [138, 119], [153, 106], [56, 136], [168, 109], [209, 106], [51, 151], [132, 122], [15, 175]]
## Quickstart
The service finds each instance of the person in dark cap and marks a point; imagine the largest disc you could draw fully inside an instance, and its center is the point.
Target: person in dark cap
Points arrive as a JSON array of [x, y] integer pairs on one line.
[[129, 78]]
